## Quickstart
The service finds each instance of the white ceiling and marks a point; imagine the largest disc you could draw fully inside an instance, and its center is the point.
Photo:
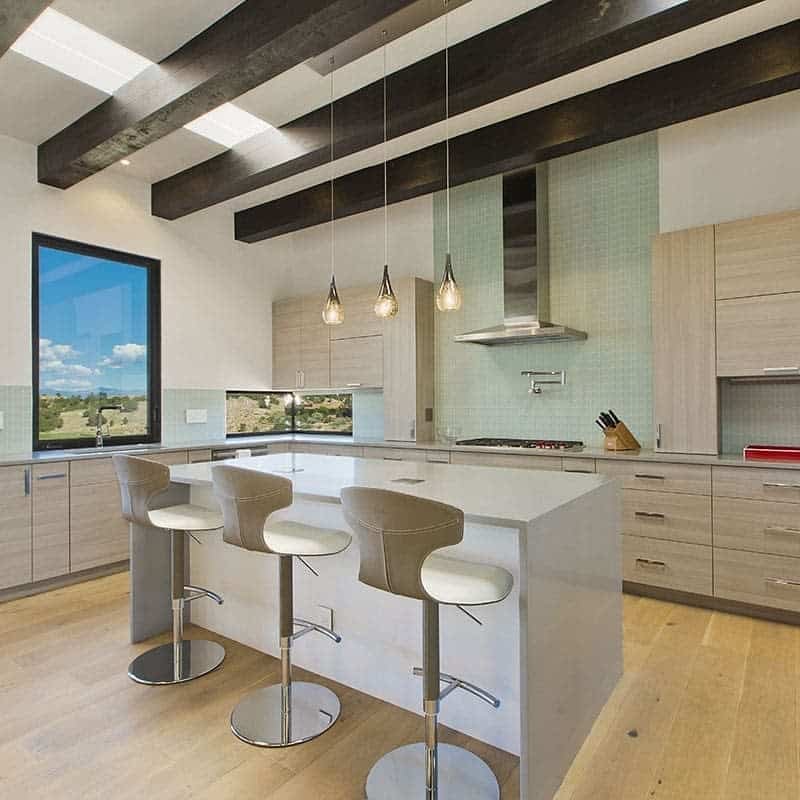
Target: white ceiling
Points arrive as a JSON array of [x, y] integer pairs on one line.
[[37, 102]]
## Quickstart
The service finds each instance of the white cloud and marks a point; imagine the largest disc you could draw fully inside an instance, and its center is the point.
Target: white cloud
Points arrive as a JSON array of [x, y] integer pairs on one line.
[[122, 354], [51, 359], [58, 384]]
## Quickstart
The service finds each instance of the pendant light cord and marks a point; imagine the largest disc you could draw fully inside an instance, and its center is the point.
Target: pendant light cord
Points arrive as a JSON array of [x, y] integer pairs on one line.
[[385, 168], [447, 116], [332, 241]]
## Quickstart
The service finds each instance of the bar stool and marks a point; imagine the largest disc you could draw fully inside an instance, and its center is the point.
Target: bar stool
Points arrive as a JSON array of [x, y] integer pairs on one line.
[[141, 480], [397, 535], [289, 712]]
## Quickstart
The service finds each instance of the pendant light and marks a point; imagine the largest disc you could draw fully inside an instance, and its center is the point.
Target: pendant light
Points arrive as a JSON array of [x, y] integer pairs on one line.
[[333, 312], [448, 296], [386, 305]]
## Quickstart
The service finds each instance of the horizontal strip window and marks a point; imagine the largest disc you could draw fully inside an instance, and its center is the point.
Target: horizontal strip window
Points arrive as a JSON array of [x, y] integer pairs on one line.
[[261, 413]]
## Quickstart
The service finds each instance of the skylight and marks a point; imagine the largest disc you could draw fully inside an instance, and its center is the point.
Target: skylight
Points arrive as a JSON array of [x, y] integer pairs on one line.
[[228, 125], [61, 43]]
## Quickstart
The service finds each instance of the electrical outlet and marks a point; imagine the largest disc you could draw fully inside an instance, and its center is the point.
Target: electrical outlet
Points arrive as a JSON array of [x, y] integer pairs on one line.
[[196, 416]]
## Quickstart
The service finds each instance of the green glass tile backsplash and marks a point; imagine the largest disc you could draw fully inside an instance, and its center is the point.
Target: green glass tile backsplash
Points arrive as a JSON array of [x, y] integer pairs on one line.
[[603, 211], [16, 405]]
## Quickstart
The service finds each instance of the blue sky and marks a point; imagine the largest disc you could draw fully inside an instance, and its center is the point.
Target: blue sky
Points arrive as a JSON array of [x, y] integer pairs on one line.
[[92, 324]]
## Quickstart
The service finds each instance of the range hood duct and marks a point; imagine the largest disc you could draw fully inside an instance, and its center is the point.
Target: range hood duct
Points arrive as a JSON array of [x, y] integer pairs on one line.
[[526, 267]]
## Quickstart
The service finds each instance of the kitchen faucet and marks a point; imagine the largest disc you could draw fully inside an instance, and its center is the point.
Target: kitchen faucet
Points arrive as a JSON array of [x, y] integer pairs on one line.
[[555, 376], [98, 439]]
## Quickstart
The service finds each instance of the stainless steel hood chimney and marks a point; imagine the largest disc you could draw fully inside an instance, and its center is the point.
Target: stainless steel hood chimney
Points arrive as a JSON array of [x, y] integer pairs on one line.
[[526, 267]]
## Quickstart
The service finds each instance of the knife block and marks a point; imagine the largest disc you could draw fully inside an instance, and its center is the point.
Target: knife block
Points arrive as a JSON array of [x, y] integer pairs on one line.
[[620, 438]]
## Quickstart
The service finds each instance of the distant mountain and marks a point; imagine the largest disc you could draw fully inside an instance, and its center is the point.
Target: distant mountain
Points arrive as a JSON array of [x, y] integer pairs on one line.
[[111, 391]]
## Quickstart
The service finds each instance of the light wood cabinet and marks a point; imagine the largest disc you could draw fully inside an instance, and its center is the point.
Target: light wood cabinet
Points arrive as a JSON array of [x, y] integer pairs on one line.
[[757, 525], [359, 314], [408, 360], [684, 366], [668, 565], [357, 362], [777, 485], [757, 578], [656, 476], [199, 456], [759, 336], [511, 460], [758, 256], [300, 344], [579, 465], [667, 515], [286, 343], [315, 353], [15, 526], [50, 493], [394, 453]]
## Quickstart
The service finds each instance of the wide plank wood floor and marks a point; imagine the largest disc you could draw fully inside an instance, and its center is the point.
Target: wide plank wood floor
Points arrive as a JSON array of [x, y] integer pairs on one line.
[[707, 710]]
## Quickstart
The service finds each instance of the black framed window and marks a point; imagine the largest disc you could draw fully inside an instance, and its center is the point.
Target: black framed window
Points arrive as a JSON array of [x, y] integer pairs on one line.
[[258, 413], [97, 342]]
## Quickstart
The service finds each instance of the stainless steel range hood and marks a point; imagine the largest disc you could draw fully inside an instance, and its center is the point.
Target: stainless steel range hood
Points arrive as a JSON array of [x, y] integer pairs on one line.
[[526, 268]]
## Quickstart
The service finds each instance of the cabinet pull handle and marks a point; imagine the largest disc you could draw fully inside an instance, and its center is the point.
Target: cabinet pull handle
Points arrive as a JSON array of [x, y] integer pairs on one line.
[[392, 458], [649, 477], [646, 563], [779, 370], [775, 485], [658, 436], [581, 471], [51, 476], [782, 581], [778, 529], [353, 385], [649, 514], [27, 482]]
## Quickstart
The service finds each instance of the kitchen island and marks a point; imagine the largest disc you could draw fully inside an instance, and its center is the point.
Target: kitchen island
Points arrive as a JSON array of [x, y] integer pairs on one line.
[[552, 651]]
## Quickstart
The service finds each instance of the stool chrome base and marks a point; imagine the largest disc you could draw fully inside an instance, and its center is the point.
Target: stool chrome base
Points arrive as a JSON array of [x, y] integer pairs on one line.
[[162, 665], [259, 720], [400, 775]]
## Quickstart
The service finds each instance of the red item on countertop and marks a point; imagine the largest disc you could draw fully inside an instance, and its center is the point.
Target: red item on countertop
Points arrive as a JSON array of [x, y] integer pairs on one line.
[[771, 452]]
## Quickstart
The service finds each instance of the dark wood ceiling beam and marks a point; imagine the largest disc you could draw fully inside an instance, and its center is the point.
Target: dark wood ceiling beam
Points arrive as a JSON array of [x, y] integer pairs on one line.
[[253, 43], [15, 17], [523, 52], [750, 69]]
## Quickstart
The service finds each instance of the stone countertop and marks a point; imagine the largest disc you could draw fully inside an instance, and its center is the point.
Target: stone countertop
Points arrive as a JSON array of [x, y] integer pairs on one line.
[[512, 502], [727, 460]]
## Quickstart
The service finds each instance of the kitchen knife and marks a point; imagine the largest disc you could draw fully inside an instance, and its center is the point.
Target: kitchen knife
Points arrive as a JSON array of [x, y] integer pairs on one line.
[[607, 421], [613, 416], [600, 425]]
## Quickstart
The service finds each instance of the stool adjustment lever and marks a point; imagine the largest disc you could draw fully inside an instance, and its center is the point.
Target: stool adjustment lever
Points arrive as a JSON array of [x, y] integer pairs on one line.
[[452, 683], [196, 592]]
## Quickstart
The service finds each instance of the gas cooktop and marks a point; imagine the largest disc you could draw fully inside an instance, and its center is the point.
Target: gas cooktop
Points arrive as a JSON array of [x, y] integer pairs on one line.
[[528, 444]]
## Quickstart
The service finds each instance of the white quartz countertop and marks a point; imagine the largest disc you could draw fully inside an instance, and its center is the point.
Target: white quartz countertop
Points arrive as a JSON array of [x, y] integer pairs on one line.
[[491, 495]]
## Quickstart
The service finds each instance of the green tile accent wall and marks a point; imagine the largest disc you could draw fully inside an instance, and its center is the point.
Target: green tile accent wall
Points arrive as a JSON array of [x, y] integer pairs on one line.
[[603, 211], [368, 414], [174, 429], [759, 413], [17, 433]]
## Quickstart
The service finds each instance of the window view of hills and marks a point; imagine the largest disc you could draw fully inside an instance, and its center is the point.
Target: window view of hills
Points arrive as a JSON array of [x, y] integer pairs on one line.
[[276, 412], [74, 416]]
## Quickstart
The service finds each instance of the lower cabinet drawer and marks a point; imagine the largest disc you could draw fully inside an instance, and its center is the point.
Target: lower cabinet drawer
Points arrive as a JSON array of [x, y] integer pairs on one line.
[[98, 533], [328, 449], [670, 565], [658, 476], [511, 460], [394, 453], [583, 465], [754, 483], [664, 515], [758, 525], [757, 578]]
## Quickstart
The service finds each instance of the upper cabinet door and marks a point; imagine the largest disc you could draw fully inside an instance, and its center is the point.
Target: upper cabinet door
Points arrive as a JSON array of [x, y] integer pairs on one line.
[[359, 314], [758, 256], [759, 336], [315, 355], [684, 368], [286, 343], [357, 362]]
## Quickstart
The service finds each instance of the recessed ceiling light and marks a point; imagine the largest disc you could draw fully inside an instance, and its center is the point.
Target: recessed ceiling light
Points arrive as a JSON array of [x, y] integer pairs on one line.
[[125, 162], [61, 43], [228, 125]]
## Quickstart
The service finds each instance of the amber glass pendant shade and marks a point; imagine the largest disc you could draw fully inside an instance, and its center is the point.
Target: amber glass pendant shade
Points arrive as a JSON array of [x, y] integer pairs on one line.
[[448, 297], [386, 305], [333, 312]]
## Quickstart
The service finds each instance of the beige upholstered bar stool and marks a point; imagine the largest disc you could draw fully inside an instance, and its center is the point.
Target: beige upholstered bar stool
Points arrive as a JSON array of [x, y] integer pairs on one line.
[[397, 535], [289, 712], [140, 481]]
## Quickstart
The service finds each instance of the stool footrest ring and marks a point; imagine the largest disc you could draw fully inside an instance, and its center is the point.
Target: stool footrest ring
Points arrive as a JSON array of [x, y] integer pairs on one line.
[[306, 626], [196, 592], [452, 683]]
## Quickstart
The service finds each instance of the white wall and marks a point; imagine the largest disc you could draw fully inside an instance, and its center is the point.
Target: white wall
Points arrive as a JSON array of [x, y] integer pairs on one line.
[[731, 165], [299, 263], [216, 295]]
